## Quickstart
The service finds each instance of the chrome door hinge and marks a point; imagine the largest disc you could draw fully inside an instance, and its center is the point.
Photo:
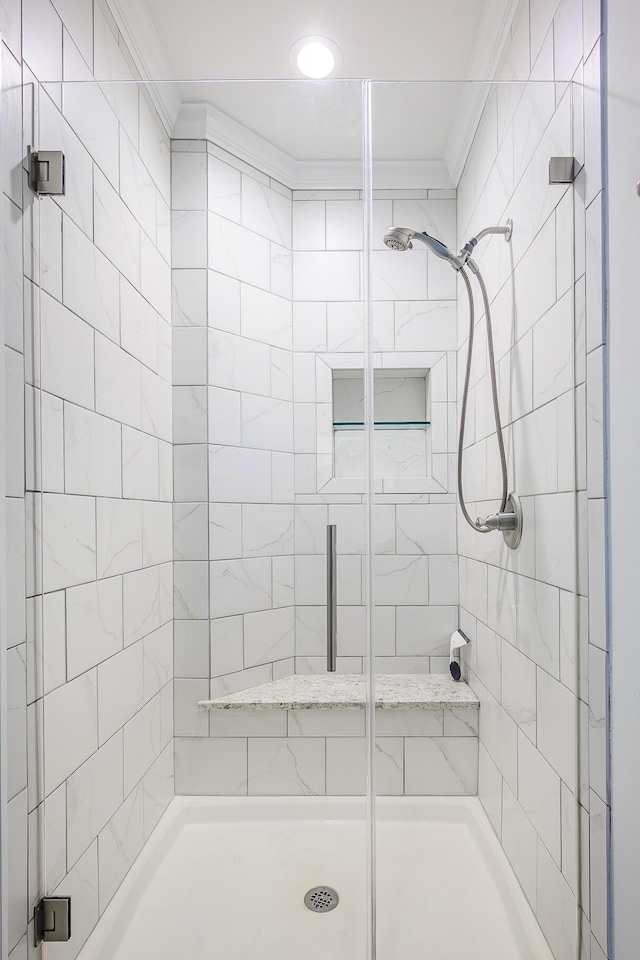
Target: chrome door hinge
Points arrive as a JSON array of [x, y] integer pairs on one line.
[[46, 172], [563, 169], [52, 919]]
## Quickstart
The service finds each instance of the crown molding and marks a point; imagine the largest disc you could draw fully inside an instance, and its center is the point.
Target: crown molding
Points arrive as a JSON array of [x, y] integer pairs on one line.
[[139, 34], [138, 31], [203, 121], [488, 49]]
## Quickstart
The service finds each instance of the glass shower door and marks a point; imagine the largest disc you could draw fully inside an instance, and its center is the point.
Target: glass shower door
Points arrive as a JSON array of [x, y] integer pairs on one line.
[[481, 773], [224, 362], [200, 421]]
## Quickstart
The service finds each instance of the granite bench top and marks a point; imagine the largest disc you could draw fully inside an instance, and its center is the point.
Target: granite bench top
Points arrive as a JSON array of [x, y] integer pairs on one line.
[[394, 691]]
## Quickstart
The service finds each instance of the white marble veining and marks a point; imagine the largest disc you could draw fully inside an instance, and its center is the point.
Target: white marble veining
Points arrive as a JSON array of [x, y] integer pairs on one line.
[[340, 691], [89, 282], [116, 232]]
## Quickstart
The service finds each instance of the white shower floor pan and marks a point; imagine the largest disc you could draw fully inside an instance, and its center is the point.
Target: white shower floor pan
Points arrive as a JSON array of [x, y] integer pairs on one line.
[[224, 879]]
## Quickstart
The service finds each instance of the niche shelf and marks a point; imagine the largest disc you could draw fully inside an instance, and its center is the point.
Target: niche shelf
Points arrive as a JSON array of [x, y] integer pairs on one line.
[[414, 423], [400, 403], [382, 425]]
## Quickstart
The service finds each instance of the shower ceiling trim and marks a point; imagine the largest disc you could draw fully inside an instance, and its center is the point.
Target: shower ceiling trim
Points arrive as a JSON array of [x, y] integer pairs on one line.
[[141, 32], [203, 121]]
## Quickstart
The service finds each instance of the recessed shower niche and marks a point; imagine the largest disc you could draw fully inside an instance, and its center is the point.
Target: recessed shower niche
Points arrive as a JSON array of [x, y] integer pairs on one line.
[[411, 423]]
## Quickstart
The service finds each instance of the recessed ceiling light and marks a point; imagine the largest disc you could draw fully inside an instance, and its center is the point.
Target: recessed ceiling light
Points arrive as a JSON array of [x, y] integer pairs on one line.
[[315, 57]]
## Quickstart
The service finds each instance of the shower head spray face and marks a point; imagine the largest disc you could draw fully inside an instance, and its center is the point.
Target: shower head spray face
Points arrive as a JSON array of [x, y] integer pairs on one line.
[[399, 238]]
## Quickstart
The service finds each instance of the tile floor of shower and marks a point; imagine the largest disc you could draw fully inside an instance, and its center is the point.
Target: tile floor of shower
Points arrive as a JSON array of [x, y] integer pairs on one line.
[[225, 879]]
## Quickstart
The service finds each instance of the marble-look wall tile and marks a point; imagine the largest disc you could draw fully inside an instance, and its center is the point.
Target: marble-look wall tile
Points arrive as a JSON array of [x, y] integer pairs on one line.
[[81, 884], [89, 282], [189, 239], [94, 793], [68, 374], [70, 728], [140, 465], [537, 315], [104, 305], [137, 188], [89, 112], [142, 603], [92, 453], [17, 862], [265, 317], [286, 766], [14, 285], [189, 356], [190, 531], [265, 211], [94, 624], [244, 723], [118, 536], [539, 795], [520, 842], [189, 298], [224, 193], [157, 649], [69, 540], [120, 690], [211, 766], [191, 598], [445, 765], [117, 233], [326, 276], [555, 905], [402, 580], [240, 586], [191, 648], [189, 721], [142, 743], [14, 423], [238, 252], [16, 720], [398, 278], [78, 200], [189, 181], [117, 384], [119, 844], [138, 326], [190, 472], [268, 636], [42, 40], [239, 475], [157, 789], [267, 530]]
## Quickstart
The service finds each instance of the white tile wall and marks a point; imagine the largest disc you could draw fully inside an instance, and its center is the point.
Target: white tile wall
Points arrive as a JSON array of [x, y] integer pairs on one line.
[[105, 367], [293, 752], [254, 335], [533, 600]]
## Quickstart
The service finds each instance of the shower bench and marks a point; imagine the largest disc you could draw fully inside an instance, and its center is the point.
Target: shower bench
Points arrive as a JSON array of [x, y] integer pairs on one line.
[[306, 734], [339, 691]]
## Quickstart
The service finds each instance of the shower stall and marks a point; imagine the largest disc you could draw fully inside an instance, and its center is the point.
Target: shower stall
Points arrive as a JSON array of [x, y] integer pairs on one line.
[[268, 690]]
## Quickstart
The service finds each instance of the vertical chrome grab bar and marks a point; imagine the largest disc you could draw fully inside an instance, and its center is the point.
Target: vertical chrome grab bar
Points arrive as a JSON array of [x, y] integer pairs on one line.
[[332, 609]]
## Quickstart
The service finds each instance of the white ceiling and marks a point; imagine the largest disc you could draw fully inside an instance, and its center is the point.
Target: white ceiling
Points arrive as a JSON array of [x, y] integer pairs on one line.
[[420, 128], [379, 39]]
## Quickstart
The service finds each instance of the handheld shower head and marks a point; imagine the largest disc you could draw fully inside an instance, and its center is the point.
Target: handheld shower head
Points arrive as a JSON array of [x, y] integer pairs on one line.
[[399, 238]]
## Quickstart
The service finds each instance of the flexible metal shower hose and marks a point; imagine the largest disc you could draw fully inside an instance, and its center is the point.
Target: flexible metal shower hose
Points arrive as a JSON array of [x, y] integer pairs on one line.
[[479, 527]]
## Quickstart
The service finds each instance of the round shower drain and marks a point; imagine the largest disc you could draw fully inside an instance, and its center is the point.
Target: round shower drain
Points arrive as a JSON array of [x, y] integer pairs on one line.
[[321, 899]]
